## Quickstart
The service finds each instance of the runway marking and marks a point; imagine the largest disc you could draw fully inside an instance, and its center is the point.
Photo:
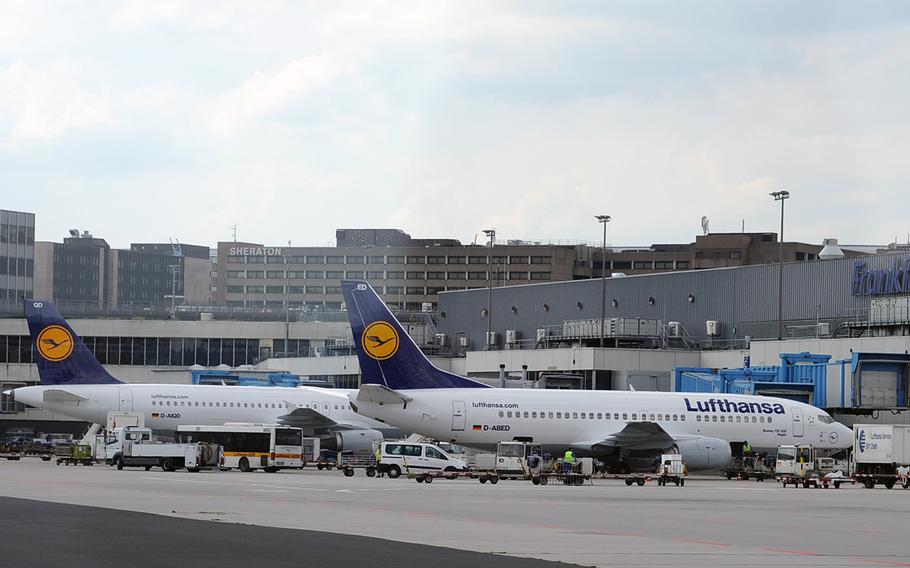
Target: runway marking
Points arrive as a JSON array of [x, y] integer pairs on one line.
[[696, 541], [796, 552], [886, 562]]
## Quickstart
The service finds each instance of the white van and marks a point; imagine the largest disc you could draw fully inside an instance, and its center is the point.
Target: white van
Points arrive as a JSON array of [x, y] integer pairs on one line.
[[415, 457]]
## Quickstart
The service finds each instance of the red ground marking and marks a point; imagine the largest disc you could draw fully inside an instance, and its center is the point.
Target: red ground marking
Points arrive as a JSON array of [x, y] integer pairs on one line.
[[797, 552], [887, 562], [695, 541]]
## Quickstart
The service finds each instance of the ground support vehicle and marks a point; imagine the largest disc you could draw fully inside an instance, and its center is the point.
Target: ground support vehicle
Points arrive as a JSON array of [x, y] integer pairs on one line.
[[515, 460], [417, 459], [38, 449], [349, 464], [750, 467], [134, 447], [671, 470], [878, 452], [802, 466], [246, 446], [10, 452], [74, 454]]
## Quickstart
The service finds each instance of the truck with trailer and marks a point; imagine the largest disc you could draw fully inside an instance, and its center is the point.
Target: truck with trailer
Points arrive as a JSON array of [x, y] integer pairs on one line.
[[878, 451], [132, 446], [802, 466]]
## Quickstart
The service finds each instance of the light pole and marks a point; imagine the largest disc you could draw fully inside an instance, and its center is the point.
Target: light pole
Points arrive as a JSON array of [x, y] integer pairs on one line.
[[603, 219], [780, 196], [492, 234]]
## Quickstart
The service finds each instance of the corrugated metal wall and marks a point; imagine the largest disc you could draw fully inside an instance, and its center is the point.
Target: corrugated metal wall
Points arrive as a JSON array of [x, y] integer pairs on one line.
[[744, 298]]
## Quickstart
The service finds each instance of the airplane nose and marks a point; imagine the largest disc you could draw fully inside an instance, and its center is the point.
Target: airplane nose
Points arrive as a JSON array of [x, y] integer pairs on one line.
[[844, 435]]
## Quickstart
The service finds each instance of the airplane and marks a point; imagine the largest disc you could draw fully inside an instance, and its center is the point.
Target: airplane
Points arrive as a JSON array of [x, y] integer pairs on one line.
[[74, 383], [626, 429]]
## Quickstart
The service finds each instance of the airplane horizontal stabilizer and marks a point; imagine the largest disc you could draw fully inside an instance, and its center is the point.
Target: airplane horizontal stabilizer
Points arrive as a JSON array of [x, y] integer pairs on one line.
[[379, 394], [58, 395]]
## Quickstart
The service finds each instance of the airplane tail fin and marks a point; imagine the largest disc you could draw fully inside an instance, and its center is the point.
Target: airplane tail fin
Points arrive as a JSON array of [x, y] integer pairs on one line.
[[387, 354], [62, 357]]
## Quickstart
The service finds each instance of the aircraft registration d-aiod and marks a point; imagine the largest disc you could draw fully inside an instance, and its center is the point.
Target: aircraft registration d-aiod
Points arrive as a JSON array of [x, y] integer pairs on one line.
[[75, 384]]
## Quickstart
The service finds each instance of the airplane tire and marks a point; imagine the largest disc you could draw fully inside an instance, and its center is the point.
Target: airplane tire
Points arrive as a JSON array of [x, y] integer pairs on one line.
[[394, 471]]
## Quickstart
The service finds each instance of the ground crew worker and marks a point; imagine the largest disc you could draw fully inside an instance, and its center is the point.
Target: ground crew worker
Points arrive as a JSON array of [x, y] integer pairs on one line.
[[377, 455], [748, 461], [568, 461]]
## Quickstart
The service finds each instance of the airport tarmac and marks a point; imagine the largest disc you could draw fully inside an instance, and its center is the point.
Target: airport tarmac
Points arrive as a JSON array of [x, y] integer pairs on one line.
[[709, 522]]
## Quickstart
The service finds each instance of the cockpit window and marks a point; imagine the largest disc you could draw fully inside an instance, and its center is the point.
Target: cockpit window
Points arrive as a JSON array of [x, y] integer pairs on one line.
[[825, 419]]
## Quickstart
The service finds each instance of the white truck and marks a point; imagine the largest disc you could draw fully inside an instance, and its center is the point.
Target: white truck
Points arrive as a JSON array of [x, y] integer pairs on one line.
[[803, 466], [878, 451], [133, 446]]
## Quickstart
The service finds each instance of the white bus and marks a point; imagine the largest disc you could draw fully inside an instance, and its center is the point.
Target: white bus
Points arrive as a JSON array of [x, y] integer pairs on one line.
[[251, 446]]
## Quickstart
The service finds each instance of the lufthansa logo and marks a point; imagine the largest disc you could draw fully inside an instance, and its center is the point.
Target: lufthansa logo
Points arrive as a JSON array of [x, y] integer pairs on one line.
[[833, 437], [55, 343], [380, 340]]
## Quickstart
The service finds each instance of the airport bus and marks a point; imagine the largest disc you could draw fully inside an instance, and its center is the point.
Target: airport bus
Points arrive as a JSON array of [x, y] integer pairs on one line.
[[251, 446]]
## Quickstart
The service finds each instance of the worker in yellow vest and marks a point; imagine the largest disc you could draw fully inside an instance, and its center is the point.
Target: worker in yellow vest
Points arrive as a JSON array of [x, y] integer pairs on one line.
[[568, 461]]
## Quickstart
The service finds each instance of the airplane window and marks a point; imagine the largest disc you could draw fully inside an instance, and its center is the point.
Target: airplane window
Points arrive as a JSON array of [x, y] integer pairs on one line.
[[600, 416], [660, 416], [534, 414], [625, 416], [584, 414], [245, 405], [232, 405], [501, 413], [682, 417], [559, 415], [634, 416], [336, 407], [509, 414], [168, 403], [714, 418], [543, 414], [616, 416], [551, 415], [761, 419], [698, 417], [526, 414], [574, 415], [754, 419], [182, 403], [567, 416], [769, 420], [211, 404], [824, 419], [652, 418]]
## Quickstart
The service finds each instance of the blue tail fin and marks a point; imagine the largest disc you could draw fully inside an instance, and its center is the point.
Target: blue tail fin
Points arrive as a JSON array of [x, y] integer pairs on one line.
[[387, 354], [62, 358]]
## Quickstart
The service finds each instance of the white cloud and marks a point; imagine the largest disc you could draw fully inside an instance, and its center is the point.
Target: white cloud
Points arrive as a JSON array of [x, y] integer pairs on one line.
[[44, 105], [138, 13], [264, 93]]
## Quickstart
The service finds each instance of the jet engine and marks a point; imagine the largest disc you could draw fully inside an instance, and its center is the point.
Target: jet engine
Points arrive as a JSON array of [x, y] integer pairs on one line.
[[354, 441], [704, 453]]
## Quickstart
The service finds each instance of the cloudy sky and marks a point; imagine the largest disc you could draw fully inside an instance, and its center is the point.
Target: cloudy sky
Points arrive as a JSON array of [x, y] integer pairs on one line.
[[142, 121]]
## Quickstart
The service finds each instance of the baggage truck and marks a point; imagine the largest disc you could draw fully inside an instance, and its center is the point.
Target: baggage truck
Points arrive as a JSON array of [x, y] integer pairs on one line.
[[878, 450], [133, 447]]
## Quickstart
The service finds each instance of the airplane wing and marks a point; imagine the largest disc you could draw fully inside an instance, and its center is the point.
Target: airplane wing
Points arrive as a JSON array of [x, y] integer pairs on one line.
[[60, 395], [310, 419], [635, 436]]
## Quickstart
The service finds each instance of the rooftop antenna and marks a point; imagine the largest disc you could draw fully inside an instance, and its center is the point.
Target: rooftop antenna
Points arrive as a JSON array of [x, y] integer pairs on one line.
[[704, 225], [233, 229], [175, 271]]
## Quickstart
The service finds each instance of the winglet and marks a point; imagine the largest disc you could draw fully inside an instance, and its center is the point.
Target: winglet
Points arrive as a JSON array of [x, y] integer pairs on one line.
[[62, 357]]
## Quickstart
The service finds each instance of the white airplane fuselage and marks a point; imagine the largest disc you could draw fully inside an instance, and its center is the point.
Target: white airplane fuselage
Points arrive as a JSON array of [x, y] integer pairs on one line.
[[480, 418], [166, 406]]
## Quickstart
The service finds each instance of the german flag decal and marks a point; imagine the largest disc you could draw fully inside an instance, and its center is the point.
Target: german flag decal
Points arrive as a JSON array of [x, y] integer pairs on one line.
[[478, 427], [156, 415]]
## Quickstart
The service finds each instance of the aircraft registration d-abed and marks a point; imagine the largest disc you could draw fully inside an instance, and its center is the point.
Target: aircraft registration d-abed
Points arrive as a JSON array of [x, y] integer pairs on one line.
[[401, 387]]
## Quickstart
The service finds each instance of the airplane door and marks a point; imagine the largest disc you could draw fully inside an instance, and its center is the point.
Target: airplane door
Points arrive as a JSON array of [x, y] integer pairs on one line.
[[798, 429], [126, 400], [458, 411]]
